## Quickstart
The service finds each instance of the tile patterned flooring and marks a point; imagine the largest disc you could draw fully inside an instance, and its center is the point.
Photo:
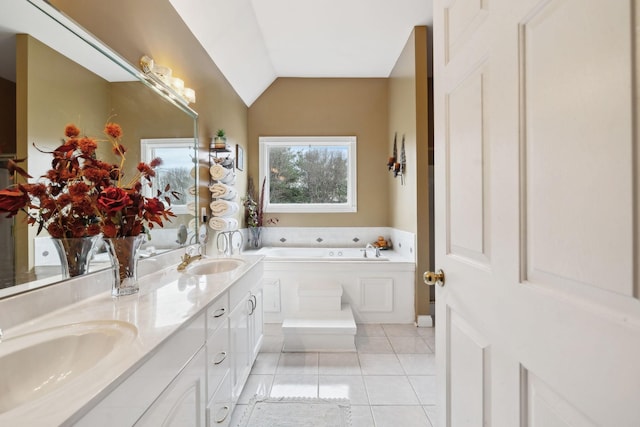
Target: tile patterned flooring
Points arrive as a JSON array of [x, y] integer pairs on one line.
[[390, 380]]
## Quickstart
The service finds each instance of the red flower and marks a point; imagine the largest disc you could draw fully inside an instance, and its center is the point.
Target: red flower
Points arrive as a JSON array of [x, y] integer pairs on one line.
[[154, 206], [82, 196], [78, 189], [87, 146], [109, 229], [55, 230], [146, 170], [113, 199], [71, 131], [113, 130], [12, 200]]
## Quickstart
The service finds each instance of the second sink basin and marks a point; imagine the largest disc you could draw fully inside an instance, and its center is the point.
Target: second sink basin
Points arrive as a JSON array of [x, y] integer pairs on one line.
[[35, 364], [214, 266]]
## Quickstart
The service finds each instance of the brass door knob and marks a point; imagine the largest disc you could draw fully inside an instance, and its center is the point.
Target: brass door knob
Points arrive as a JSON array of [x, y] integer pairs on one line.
[[431, 278]]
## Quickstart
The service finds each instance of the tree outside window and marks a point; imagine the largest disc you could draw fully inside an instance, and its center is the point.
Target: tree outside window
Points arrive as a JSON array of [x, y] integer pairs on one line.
[[309, 174]]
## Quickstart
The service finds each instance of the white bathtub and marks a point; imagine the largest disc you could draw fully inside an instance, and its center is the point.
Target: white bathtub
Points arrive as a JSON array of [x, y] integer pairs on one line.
[[322, 254], [379, 290]]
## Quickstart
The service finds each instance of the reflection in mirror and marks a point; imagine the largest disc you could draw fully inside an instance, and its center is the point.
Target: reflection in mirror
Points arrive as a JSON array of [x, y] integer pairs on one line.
[[176, 171], [53, 73]]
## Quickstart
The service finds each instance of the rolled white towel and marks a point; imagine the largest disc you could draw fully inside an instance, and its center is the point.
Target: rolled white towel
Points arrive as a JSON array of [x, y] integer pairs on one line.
[[223, 191], [219, 172], [223, 224], [223, 208], [229, 179], [191, 208]]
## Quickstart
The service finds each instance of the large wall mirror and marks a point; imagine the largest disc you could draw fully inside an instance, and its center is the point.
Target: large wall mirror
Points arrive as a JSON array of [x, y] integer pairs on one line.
[[53, 73]]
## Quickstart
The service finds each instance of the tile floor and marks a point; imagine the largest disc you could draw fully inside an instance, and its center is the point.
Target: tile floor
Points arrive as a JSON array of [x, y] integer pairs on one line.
[[390, 380]]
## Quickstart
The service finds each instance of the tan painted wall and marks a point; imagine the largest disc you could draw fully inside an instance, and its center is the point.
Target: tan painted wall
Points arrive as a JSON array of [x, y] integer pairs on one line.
[[7, 116], [409, 117], [320, 107], [156, 119], [152, 27], [66, 93]]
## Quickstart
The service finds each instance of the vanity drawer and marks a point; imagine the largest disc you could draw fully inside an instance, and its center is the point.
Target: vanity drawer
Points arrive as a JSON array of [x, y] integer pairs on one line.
[[219, 408], [217, 313], [217, 358]]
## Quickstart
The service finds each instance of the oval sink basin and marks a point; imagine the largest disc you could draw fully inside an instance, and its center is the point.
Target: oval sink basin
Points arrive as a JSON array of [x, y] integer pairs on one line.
[[35, 364], [214, 266]]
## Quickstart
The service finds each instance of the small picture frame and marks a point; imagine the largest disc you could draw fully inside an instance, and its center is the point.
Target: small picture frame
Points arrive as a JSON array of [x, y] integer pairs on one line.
[[239, 157]]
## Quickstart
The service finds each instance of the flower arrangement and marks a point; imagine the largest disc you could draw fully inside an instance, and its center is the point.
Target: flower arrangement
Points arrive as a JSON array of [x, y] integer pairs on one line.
[[82, 196], [254, 209]]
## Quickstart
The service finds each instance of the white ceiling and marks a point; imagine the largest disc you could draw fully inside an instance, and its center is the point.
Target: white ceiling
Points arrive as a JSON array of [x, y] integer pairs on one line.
[[255, 41]]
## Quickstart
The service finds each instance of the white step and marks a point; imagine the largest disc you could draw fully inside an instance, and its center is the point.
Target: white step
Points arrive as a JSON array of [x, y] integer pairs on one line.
[[320, 331]]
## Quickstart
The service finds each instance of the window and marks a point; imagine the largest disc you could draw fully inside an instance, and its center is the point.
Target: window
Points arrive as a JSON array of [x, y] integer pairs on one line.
[[308, 174], [175, 170]]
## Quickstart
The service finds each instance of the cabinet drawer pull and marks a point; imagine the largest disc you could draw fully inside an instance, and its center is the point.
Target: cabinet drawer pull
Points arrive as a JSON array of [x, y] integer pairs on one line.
[[220, 358], [219, 312], [226, 412]]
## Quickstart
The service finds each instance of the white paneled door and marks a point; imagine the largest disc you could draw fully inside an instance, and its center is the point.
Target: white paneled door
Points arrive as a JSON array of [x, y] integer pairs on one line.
[[537, 212]]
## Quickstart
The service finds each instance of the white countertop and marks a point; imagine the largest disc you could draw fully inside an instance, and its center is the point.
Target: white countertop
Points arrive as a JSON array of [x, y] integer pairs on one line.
[[167, 300]]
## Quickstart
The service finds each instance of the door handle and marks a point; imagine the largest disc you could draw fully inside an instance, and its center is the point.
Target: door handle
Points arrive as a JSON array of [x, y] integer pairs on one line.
[[431, 278]]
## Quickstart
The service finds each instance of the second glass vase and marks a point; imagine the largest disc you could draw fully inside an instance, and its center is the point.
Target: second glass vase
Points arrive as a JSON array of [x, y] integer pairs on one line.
[[123, 252]]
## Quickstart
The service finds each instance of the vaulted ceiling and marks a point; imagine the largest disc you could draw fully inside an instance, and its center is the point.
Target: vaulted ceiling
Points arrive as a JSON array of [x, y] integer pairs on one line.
[[255, 41]]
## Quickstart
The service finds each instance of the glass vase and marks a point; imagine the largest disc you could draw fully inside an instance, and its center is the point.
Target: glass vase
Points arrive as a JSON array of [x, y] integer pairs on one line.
[[255, 237], [75, 254], [123, 252]]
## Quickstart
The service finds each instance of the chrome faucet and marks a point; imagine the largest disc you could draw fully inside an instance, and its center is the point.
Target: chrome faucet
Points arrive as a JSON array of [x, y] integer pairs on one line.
[[370, 246]]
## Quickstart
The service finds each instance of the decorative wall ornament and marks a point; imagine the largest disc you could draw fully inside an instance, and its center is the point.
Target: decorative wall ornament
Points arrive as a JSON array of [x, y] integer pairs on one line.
[[398, 167]]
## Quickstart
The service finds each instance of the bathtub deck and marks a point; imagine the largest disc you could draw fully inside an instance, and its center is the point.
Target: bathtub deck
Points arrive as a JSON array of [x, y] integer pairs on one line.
[[320, 331]]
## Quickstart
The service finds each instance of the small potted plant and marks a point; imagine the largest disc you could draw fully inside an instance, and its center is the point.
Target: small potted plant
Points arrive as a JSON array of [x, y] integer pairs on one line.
[[220, 140]]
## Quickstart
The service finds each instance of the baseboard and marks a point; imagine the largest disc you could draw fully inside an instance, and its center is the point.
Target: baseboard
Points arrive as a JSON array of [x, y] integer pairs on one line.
[[425, 321]]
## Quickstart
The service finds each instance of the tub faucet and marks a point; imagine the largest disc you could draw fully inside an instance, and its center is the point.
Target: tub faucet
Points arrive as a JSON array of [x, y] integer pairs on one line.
[[369, 245]]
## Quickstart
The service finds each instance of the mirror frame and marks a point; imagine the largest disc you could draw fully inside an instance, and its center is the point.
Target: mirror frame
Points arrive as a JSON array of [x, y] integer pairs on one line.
[[105, 58]]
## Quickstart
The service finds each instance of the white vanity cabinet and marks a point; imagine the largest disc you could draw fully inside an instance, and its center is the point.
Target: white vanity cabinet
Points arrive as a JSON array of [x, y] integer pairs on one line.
[[195, 377], [155, 390], [256, 321], [246, 331], [182, 403], [219, 403]]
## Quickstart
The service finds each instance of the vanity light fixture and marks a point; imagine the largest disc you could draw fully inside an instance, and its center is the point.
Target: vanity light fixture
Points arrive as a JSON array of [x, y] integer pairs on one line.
[[163, 77]]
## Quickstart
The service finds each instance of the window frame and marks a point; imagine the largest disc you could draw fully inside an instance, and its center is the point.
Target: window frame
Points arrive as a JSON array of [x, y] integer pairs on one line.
[[147, 153], [350, 142]]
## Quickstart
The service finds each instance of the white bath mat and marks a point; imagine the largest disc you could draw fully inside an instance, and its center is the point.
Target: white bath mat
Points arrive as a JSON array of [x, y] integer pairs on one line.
[[296, 412]]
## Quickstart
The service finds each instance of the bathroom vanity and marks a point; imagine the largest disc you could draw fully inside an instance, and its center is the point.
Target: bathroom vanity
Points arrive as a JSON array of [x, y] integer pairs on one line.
[[177, 353]]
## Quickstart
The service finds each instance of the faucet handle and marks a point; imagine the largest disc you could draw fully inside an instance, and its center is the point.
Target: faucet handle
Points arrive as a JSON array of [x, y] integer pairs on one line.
[[191, 251]]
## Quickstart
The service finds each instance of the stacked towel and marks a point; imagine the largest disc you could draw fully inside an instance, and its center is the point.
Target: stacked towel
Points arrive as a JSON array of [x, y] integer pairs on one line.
[[223, 224], [223, 208], [222, 174], [191, 208], [223, 191]]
